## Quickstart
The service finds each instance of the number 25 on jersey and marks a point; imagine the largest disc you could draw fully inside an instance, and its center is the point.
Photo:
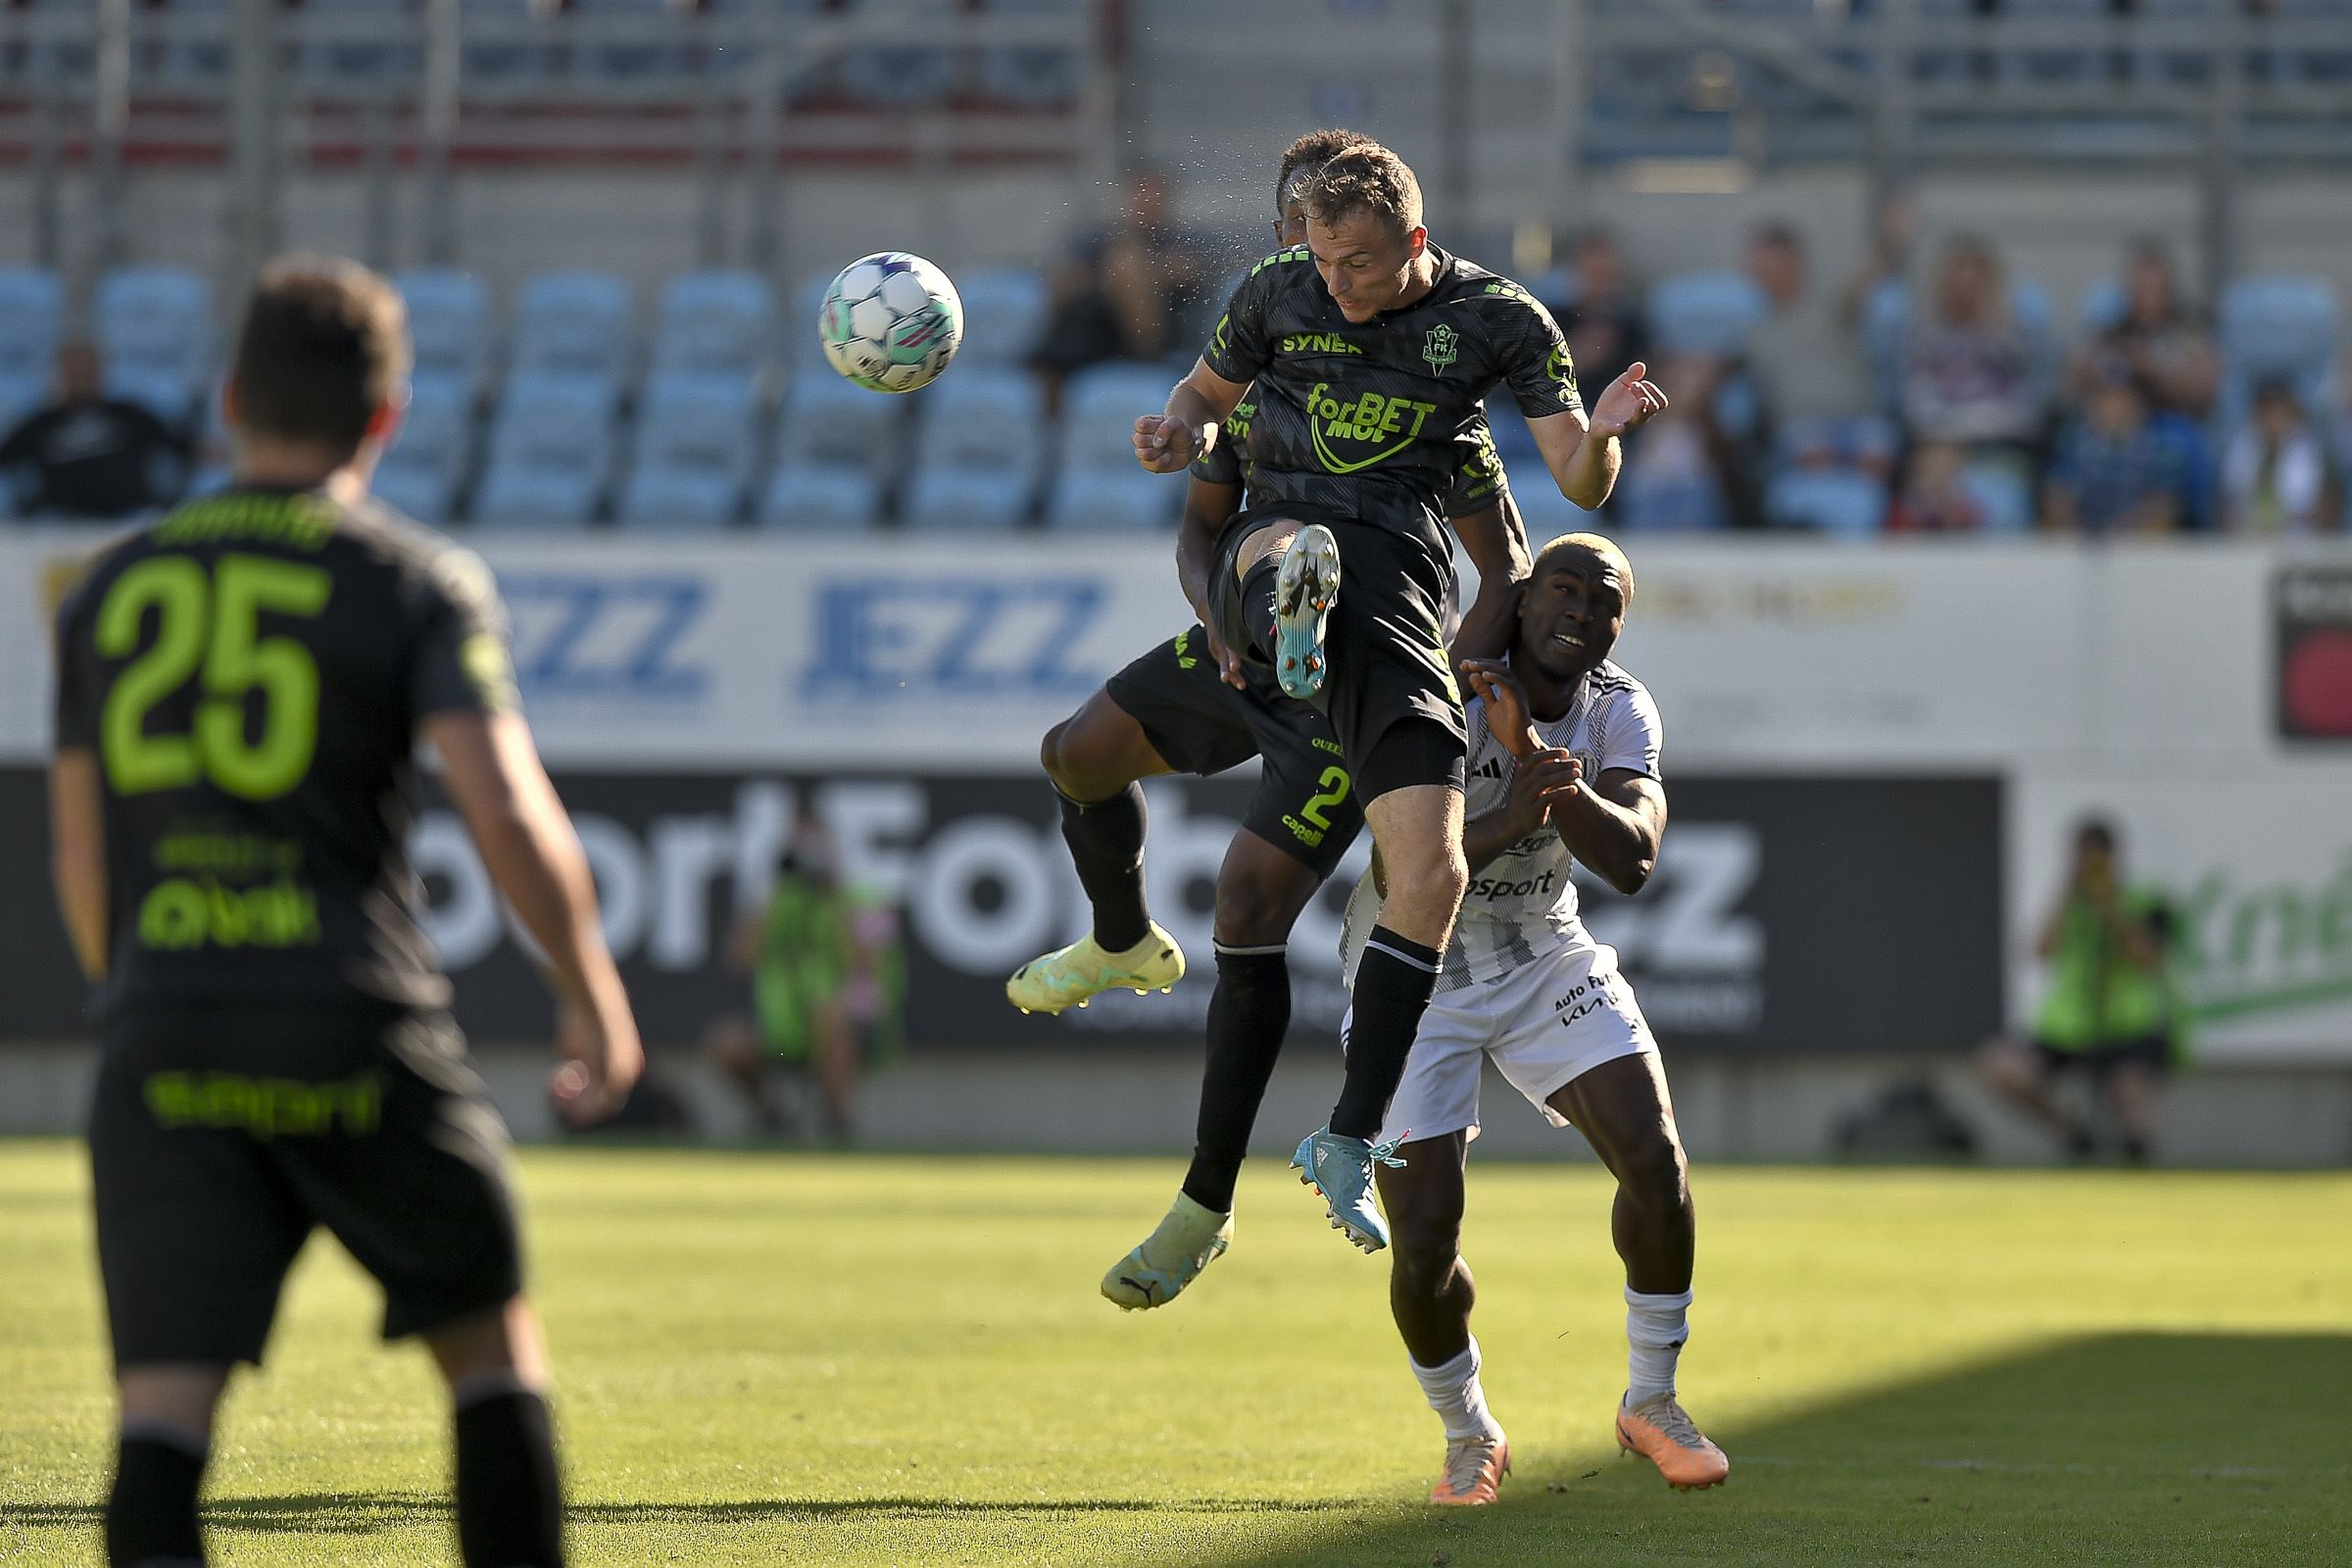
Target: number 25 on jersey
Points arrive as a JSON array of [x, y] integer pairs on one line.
[[211, 623]]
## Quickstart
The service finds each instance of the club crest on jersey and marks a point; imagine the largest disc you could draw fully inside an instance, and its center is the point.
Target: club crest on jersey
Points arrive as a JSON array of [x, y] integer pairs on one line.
[[1442, 347]]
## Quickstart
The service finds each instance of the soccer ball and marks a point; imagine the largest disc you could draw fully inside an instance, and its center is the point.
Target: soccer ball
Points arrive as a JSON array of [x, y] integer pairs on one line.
[[890, 321]]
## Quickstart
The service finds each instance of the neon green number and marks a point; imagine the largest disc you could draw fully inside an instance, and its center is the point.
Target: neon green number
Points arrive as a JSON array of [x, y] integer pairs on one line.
[[235, 662], [1317, 810], [136, 761], [283, 670]]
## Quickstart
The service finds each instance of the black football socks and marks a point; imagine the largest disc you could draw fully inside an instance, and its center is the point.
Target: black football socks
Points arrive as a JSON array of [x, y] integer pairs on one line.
[[1393, 982], [1106, 840], [510, 1495], [151, 1512], [1249, 1013]]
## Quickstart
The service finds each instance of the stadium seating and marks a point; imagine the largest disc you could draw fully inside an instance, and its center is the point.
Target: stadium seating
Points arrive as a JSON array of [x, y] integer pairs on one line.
[[714, 322], [574, 321], [1004, 315], [2275, 328], [426, 464], [981, 447], [1703, 312], [1101, 484], [449, 321], [1035, 77], [32, 310], [550, 454], [898, 75], [155, 327], [692, 456], [1830, 501], [821, 499]]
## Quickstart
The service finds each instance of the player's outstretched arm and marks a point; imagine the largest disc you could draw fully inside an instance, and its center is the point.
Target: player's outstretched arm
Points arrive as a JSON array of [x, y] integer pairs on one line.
[[1171, 439], [1614, 825], [1496, 540], [496, 781], [1582, 452], [77, 855]]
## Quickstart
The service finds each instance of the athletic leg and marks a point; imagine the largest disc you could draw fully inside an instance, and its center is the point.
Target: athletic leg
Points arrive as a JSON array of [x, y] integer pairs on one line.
[[1095, 758], [2132, 1097], [1624, 1110], [167, 1433], [1260, 891], [1431, 1294], [509, 1499], [732, 1046], [1128, 731], [1417, 831]]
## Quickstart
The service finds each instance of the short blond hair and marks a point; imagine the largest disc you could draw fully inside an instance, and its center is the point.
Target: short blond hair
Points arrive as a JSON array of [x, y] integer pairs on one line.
[[1600, 543], [1365, 178]]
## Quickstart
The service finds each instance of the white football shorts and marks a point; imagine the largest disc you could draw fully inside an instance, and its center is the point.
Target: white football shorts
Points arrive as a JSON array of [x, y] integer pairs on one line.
[[1546, 1023]]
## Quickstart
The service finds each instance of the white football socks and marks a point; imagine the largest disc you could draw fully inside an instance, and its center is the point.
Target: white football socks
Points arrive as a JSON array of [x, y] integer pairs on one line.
[[1454, 1394], [1655, 1327]]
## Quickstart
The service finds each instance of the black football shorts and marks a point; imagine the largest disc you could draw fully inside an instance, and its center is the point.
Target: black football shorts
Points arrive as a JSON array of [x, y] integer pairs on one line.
[[1390, 697], [220, 1137], [1304, 802]]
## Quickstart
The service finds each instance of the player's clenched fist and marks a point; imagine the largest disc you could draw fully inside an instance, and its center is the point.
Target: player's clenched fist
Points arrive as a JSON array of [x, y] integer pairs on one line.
[[1628, 404], [1165, 444]]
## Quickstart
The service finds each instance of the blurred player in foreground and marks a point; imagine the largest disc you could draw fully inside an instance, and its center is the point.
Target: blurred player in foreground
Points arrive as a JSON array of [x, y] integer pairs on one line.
[[1563, 768], [241, 687], [1370, 351], [1189, 704]]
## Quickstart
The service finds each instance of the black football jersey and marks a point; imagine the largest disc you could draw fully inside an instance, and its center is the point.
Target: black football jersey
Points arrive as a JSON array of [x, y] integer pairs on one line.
[[1478, 480], [250, 673], [1367, 420]]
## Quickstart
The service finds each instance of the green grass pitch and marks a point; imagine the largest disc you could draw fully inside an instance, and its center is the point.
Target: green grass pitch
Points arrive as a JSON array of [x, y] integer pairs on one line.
[[860, 1360]]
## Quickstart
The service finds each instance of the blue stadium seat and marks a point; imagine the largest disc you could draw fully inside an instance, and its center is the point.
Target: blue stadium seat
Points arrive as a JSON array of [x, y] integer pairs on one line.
[[2100, 308], [1547, 512], [1098, 406], [1828, 500], [899, 75], [155, 326], [630, 59], [714, 322], [32, 309], [806, 350], [530, 53], [829, 422], [821, 498], [692, 456], [1705, 312], [344, 42], [421, 471], [550, 450], [1033, 77], [21, 396], [979, 451], [449, 321], [1004, 315], [2276, 328], [576, 321], [1107, 500]]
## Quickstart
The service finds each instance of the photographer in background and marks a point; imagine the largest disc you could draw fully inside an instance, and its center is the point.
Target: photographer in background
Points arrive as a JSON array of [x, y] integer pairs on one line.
[[2109, 1010]]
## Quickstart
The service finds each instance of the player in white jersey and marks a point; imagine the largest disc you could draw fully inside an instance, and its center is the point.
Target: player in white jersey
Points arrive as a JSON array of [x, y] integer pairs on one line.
[[1563, 766]]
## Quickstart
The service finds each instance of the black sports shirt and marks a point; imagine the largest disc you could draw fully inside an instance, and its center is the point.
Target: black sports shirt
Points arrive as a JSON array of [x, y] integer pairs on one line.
[[1362, 420], [251, 672]]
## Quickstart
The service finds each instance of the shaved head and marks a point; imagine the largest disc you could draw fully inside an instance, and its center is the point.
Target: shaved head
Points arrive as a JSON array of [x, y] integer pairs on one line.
[[1601, 545]]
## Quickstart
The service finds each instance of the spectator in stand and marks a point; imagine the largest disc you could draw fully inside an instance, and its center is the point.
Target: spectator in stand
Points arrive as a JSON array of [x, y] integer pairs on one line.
[[1126, 291], [1968, 373], [2117, 470], [2169, 352], [1602, 316], [1682, 472], [1938, 495], [1805, 356], [2276, 477], [2110, 1008], [89, 456]]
